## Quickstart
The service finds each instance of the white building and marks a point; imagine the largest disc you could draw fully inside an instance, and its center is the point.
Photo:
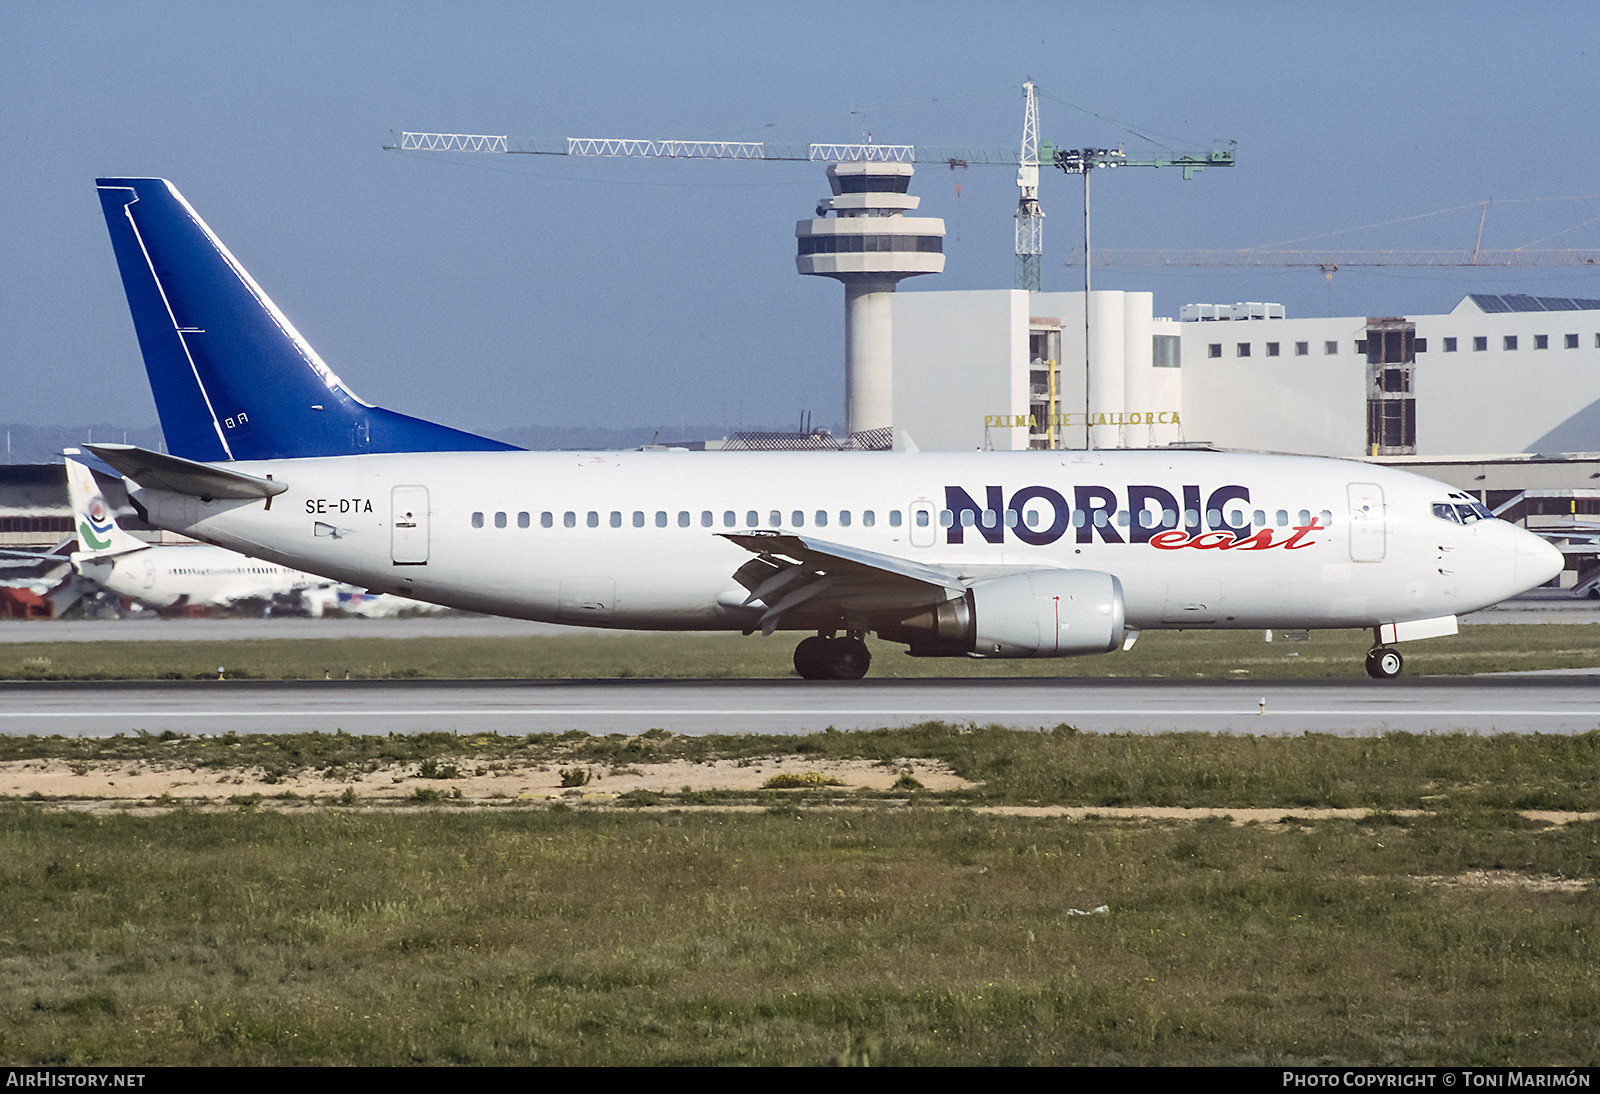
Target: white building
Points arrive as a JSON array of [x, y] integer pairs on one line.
[[1497, 375]]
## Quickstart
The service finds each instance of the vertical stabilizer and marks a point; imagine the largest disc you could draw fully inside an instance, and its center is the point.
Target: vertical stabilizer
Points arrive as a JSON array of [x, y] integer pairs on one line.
[[232, 378], [99, 534]]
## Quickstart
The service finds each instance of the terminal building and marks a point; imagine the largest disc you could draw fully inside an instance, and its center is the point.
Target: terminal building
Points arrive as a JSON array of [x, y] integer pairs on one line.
[[1006, 369]]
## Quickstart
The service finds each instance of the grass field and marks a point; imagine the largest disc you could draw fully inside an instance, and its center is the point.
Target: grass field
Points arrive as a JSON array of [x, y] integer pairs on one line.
[[794, 936], [1191, 654], [1439, 926]]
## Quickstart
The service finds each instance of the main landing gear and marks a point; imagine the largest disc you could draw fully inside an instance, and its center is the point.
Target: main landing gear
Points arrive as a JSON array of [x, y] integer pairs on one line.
[[828, 658], [1384, 663]]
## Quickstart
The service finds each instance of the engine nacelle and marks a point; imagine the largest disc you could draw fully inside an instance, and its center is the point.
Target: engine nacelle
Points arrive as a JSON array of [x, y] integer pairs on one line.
[[1040, 613]]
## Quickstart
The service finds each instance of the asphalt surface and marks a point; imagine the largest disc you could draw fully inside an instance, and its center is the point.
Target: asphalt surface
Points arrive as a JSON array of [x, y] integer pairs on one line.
[[1511, 703]]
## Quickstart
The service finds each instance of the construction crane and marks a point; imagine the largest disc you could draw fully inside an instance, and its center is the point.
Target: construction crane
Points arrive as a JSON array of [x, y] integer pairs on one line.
[[1329, 261], [1026, 158], [1030, 218], [1029, 215]]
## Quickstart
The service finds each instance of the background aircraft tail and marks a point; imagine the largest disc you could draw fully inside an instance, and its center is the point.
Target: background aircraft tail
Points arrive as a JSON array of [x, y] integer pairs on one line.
[[99, 534], [233, 379]]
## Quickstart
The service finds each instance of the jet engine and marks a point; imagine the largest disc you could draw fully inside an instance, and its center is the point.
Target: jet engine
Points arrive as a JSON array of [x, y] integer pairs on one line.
[[1039, 613]]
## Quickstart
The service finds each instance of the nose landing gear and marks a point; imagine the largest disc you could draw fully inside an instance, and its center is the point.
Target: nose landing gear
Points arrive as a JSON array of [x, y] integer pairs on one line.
[[824, 657], [1384, 663]]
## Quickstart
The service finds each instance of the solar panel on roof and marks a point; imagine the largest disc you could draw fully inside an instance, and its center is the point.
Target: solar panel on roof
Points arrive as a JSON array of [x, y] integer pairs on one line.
[[1521, 302]]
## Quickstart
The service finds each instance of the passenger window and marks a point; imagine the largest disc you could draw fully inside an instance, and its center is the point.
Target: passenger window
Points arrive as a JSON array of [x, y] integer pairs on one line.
[[569, 519], [870, 519], [822, 518], [616, 519], [1282, 516], [1011, 518], [1213, 518], [799, 519], [844, 518], [593, 519], [1147, 519], [729, 518], [522, 520], [1191, 517], [922, 518], [946, 518], [1305, 518], [751, 519], [1259, 518], [1236, 518], [1032, 518], [1327, 519], [499, 520], [990, 518], [967, 520], [477, 520], [683, 518], [661, 518], [1079, 518], [705, 518], [777, 519], [638, 518], [547, 520], [896, 517], [1122, 518]]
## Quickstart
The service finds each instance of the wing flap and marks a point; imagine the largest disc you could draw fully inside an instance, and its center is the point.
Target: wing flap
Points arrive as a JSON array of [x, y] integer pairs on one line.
[[791, 571]]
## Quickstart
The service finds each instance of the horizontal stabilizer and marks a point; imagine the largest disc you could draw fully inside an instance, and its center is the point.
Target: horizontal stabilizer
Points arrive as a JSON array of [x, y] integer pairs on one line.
[[155, 471]]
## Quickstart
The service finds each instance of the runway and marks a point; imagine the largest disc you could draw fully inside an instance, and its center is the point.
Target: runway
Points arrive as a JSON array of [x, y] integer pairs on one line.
[[1558, 703]]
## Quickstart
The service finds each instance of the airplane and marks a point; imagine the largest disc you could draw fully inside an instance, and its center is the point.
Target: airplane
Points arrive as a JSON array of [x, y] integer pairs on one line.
[[166, 576], [985, 554]]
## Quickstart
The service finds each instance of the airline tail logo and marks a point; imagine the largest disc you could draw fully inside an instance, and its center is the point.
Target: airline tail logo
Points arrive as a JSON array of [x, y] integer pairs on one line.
[[95, 527], [98, 531]]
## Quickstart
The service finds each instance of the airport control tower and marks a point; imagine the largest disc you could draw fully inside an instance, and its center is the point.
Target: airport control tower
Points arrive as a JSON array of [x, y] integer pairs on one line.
[[869, 244]]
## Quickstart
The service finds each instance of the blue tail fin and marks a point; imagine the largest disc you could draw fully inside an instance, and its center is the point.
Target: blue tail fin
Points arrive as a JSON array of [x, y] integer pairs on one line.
[[233, 379]]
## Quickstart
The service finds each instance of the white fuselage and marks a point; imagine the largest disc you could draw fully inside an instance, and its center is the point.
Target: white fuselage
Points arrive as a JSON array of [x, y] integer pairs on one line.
[[201, 575], [632, 539]]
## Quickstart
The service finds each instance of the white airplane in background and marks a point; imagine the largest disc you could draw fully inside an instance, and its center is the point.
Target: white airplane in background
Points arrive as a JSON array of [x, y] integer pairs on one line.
[[167, 576], [989, 554]]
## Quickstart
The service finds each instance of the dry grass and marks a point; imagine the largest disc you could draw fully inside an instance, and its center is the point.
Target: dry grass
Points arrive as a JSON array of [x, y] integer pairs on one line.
[[894, 935]]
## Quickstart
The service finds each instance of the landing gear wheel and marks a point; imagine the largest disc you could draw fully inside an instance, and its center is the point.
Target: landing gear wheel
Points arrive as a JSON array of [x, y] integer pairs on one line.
[[1384, 663], [849, 659], [818, 658], [810, 657]]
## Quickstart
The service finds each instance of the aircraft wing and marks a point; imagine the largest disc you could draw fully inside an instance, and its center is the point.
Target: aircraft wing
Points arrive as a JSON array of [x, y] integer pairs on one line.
[[791, 570]]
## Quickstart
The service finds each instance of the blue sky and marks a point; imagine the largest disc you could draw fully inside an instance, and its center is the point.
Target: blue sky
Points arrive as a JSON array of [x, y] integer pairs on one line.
[[490, 292]]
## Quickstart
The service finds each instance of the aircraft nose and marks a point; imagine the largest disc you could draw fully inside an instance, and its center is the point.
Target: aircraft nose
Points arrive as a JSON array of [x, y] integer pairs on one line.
[[1537, 561]]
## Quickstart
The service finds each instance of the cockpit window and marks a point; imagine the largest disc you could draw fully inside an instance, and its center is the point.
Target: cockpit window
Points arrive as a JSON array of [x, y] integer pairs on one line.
[[1470, 508], [1461, 509]]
